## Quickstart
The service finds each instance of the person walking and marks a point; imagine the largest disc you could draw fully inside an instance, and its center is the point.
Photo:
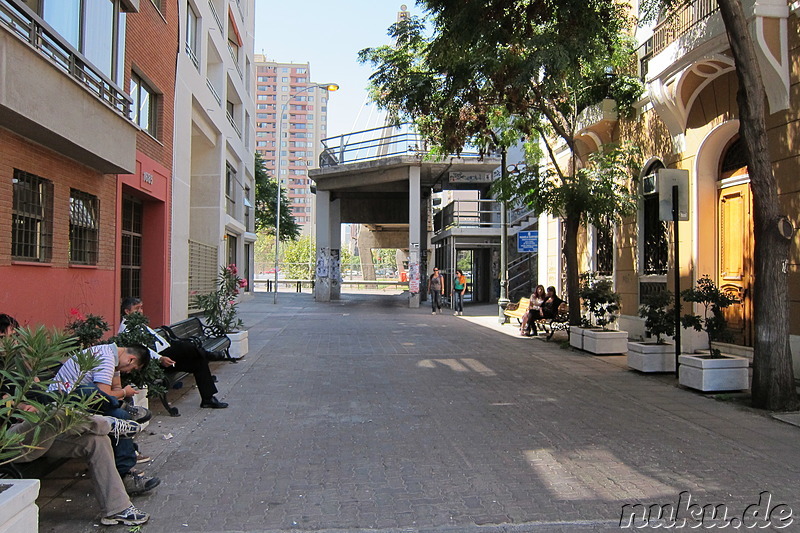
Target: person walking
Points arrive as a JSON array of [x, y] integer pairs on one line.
[[436, 290], [459, 288]]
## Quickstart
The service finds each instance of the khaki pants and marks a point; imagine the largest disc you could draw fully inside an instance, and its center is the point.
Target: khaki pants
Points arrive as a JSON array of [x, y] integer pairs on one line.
[[91, 443]]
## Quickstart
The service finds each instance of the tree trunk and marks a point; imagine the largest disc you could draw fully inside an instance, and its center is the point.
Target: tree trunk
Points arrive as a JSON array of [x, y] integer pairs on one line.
[[572, 224], [773, 378]]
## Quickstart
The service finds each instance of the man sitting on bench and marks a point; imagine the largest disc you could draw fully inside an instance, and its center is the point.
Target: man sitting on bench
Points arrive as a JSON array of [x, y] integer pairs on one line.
[[183, 356]]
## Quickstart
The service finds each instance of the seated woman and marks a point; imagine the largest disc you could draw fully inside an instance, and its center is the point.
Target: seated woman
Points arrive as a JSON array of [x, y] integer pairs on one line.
[[551, 303], [528, 325], [180, 355]]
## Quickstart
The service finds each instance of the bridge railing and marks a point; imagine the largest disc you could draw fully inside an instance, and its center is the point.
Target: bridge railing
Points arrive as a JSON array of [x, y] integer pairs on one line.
[[378, 143]]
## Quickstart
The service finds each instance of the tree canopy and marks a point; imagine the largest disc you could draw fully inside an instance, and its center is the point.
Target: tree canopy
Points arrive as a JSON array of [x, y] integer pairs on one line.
[[266, 195]]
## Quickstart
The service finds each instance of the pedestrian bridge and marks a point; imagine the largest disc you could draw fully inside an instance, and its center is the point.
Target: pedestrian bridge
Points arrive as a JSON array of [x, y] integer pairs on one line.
[[384, 178]]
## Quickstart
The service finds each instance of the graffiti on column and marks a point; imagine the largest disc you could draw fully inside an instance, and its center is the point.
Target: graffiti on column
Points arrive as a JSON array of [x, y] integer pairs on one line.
[[335, 268], [322, 263], [413, 277]]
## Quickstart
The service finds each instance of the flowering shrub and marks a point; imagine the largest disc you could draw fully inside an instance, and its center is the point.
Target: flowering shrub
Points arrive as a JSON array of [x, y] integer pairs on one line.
[[87, 329], [220, 306], [136, 332]]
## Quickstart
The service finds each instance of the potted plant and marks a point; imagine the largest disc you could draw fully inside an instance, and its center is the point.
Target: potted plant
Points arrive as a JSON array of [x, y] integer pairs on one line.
[[87, 330], [602, 305], [714, 371], [220, 309], [149, 380], [27, 362], [659, 321]]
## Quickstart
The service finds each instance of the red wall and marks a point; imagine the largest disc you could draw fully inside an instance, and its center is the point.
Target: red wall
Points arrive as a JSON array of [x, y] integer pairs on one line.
[[44, 293]]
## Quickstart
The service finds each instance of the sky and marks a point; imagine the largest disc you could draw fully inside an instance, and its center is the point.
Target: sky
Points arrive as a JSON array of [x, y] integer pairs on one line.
[[329, 35]]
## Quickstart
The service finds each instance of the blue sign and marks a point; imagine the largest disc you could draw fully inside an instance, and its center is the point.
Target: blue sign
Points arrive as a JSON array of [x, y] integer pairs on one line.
[[528, 241]]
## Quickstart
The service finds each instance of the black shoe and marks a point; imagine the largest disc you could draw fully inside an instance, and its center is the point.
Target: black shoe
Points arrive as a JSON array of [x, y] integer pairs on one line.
[[217, 355], [213, 403]]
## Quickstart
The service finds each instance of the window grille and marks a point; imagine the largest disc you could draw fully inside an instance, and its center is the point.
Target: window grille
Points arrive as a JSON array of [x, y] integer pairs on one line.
[[84, 227], [131, 265], [230, 178], [656, 247], [32, 219], [203, 267], [604, 250]]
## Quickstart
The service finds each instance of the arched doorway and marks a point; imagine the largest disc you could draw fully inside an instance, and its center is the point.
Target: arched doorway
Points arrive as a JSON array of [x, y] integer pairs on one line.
[[735, 242]]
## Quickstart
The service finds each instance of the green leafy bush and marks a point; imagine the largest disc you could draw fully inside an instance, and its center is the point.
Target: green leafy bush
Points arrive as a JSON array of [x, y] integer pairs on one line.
[[659, 315], [599, 300]]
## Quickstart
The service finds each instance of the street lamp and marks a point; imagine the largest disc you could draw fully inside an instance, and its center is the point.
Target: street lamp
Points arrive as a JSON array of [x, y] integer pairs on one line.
[[328, 87]]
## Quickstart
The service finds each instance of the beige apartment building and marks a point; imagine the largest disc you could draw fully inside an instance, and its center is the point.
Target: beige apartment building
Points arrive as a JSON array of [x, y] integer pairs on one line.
[[286, 88]]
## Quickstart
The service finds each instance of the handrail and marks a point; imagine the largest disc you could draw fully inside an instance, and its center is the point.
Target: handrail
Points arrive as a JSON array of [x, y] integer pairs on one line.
[[214, 92], [474, 215], [29, 27], [233, 123], [374, 143]]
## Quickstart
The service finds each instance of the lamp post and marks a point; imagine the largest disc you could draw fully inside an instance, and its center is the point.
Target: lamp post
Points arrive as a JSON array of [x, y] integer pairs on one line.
[[328, 87]]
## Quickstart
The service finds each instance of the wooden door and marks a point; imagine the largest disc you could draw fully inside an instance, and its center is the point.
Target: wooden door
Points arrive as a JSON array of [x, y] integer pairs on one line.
[[735, 252]]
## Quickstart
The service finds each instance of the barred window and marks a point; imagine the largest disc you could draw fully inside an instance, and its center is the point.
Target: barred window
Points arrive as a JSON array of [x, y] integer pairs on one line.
[[604, 250], [655, 249], [32, 218], [84, 227], [131, 264]]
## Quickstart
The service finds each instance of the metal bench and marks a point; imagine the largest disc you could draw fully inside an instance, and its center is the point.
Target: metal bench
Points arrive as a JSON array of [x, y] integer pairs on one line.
[[560, 322], [209, 338]]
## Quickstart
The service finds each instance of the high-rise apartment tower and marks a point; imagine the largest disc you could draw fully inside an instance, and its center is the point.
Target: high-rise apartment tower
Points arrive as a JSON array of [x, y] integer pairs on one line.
[[279, 87]]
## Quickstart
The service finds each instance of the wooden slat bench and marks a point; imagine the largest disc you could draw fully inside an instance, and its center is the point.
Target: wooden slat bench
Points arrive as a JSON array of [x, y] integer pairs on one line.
[[517, 310]]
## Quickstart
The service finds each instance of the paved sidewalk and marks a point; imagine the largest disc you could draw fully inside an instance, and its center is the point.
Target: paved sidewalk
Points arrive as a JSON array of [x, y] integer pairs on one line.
[[364, 415]]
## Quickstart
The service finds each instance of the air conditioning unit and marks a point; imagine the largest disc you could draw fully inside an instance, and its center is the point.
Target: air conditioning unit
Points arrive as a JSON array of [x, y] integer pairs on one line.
[[649, 184]]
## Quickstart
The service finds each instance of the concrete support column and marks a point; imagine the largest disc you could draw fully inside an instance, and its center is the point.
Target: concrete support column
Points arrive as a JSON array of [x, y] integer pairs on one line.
[[414, 236], [322, 279], [335, 243]]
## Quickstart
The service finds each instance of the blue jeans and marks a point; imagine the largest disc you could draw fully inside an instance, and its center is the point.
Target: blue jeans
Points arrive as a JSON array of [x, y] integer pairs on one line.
[[124, 448], [458, 301]]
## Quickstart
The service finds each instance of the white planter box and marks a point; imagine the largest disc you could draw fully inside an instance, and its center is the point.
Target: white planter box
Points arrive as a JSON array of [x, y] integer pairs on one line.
[[601, 342], [648, 357], [702, 373], [576, 338], [239, 345], [18, 510], [140, 399]]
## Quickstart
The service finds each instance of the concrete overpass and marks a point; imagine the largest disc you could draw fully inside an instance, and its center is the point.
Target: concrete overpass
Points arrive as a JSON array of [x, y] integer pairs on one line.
[[389, 189]]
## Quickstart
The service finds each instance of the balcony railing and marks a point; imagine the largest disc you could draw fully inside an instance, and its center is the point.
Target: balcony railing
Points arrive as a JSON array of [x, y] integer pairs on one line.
[[26, 25], [214, 92], [376, 143], [468, 214], [216, 17], [679, 22], [236, 127]]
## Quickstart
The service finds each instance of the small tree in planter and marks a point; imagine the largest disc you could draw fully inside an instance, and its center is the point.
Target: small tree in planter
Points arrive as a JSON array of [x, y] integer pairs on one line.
[[659, 321], [706, 293], [602, 306], [599, 300], [88, 330], [659, 316]]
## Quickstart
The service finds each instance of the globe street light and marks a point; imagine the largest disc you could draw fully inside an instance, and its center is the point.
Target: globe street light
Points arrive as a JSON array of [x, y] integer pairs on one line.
[[328, 87]]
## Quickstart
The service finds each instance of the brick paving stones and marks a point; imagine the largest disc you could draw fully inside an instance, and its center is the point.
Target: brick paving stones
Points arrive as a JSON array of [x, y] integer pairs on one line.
[[363, 415]]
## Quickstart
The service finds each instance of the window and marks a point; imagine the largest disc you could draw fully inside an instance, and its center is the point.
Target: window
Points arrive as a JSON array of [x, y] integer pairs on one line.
[[300, 71], [191, 34], [262, 97], [144, 105], [263, 78], [604, 250], [84, 227], [131, 263], [230, 179], [655, 249], [32, 218]]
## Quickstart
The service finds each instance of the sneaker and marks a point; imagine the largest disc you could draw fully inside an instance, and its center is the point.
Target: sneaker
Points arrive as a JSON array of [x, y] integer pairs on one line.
[[123, 428], [433, 312], [138, 413], [455, 314], [142, 458], [129, 517], [137, 483]]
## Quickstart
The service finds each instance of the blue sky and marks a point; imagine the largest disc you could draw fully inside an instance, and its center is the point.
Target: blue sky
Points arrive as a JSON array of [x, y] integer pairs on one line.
[[328, 35]]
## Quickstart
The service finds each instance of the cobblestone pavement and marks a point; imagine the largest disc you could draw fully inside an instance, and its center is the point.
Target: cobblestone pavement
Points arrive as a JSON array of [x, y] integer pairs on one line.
[[366, 415]]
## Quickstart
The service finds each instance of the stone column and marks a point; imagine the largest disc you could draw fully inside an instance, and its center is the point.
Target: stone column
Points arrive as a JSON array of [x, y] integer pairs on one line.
[[322, 280], [335, 243], [414, 233]]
